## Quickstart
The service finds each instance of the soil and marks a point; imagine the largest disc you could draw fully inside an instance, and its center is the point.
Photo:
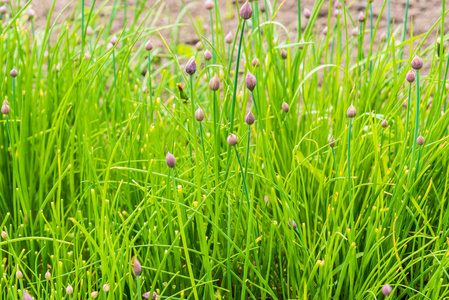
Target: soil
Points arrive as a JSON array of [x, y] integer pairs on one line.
[[423, 13]]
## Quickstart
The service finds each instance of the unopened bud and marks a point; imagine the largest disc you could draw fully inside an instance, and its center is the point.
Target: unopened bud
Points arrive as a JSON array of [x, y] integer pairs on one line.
[[209, 4], [410, 77], [361, 17], [246, 11], [232, 139], [207, 55], [417, 63], [14, 73], [285, 107], [250, 81], [149, 46], [420, 140], [191, 66], [250, 118], [351, 112], [199, 115], [229, 38], [307, 13], [170, 160], [384, 123], [214, 83]]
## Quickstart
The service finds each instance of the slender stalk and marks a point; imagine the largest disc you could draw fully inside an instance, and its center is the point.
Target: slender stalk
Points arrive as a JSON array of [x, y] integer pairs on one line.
[[115, 83], [408, 111], [299, 21], [388, 20], [371, 32], [234, 94], [335, 161], [417, 164], [416, 128], [150, 86], [349, 169], [83, 34], [214, 57], [139, 296], [381, 139]]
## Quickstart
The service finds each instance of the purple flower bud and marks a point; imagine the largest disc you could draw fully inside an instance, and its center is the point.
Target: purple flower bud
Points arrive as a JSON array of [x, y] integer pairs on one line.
[[285, 107], [294, 224], [199, 115], [4, 235], [19, 274], [146, 296], [250, 118], [48, 275], [335, 13], [137, 268], [5, 108], [114, 40], [209, 4], [106, 287], [246, 11], [307, 13], [386, 290], [207, 55], [191, 66], [337, 4], [229, 38], [255, 62], [324, 32], [361, 17], [214, 83], [420, 141], [283, 54], [384, 124], [199, 46], [170, 160], [31, 13], [355, 32], [94, 294], [3, 9], [250, 81], [14, 73], [417, 63], [232, 139], [410, 77], [351, 112], [86, 55], [149, 46], [27, 296], [89, 31], [332, 142], [69, 289]]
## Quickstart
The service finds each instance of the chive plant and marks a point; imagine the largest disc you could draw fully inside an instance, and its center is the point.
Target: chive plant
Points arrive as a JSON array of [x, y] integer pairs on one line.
[[236, 177]]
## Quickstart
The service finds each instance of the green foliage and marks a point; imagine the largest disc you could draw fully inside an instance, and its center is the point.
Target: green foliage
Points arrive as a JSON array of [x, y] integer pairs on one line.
[[85, 188]]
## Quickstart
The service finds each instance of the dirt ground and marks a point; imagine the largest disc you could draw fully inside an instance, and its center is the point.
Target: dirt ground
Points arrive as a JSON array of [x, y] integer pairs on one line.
[[423, 13]]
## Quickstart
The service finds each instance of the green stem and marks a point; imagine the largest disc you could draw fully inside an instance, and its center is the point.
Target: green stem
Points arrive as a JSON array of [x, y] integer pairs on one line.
[[150, 86], [115, 82], [349, 169], [335, 161], [408, 111], [234, 94], [299, 21], [138, 288], [388, 20], [214, 57], [416, 128], [381, 139], [83, 37], [417, 164]]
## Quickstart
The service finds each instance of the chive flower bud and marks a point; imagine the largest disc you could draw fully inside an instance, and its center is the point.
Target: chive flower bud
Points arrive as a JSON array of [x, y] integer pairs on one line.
[[285, 107], [199, 115], [209, 4], [294, 224], [332, 142], [324, 31], [410, 77], [94, 294], [114, 40], [229, 38], [191, 66], [149, 46], [386, 290], [69, 289], [355, 31], [19, 274], [420, 140], [27, 296], [250, 118], [146, 296], [199, 46], [5, 110], [384, 123], [31, 13], [255, 62], [48, 275], [250, 81], [307, 13], [89, 30], [207, 55], [14, 73], [137, 268], [361, 17], [232, 139], [86, 55], [171, 161], [4, 235], [3, 9], [214, 83], [351, 112], [283, 54], [246, 11], [417, 63], [106, 287]]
